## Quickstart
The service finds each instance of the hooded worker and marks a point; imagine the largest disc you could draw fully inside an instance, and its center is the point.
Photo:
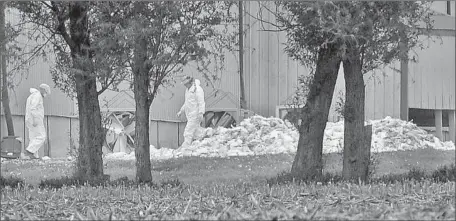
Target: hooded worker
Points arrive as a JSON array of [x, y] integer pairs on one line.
[[194, 108], [34, 120]]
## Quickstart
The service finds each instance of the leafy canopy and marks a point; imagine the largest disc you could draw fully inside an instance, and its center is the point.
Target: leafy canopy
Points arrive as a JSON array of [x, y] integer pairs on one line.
[[376, 28], [48, 22], [175, 32]]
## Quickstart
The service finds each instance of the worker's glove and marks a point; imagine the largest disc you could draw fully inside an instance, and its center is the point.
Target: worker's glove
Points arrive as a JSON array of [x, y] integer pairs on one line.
[[179, 114]]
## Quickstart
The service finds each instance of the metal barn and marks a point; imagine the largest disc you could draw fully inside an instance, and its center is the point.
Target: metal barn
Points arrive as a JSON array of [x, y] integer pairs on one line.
[[270, 79]]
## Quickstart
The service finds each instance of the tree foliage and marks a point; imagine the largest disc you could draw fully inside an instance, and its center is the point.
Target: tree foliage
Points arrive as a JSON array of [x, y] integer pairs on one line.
[[19, 51], [157, 40], [376, 27], [47, 20], [365, 35], [177, 32]]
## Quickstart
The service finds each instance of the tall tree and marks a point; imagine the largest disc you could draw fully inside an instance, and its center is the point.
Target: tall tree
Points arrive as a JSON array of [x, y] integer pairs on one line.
[[363, 36], [372, 33], [4, 73], [79, 67], [162, 38], [311, 45], [307, 162]]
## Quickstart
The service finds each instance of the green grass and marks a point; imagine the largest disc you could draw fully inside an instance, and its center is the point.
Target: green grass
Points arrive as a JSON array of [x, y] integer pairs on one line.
[[423, 200], [236, 188], [197, 171]]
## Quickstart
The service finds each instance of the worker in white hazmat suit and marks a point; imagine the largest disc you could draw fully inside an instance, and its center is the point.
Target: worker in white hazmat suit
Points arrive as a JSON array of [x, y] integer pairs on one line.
[[194, 108], [34, 120]]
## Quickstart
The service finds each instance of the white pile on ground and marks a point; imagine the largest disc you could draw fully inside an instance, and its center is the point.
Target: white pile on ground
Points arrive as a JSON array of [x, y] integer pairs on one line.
[[258, 136], [388, 135]]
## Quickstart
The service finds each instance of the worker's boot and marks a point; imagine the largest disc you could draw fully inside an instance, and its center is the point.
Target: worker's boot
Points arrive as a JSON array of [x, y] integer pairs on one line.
[[30, 155], [27, 155]]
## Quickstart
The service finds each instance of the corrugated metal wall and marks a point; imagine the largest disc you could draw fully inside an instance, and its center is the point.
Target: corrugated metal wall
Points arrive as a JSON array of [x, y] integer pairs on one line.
[[60, 132], [432, 79], [38, 72], [441, 6], [170, 99], [271, 76], [382, 88]]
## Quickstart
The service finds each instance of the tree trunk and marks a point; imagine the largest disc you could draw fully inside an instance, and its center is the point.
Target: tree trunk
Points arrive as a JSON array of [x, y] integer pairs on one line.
[[90, 162], [5, 95], [141, 89], [308, 160], [356, 149]]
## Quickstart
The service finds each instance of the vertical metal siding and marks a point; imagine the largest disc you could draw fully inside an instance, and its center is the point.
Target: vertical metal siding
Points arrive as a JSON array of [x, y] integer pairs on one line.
[[38, 72], [263, 70], [382, 85], [247, 58], [271, 78], [432, 79], [441, 6], [272, 73], [254, 65], [173, 97]]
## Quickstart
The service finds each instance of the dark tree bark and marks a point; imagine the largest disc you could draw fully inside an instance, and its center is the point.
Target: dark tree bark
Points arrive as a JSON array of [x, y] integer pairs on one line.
[[308, 160], [5, 95], [356, 147], [90, 162], [143, 101]]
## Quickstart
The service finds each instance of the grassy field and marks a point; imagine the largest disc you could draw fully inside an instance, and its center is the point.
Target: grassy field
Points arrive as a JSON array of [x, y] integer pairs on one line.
[[236, 188]]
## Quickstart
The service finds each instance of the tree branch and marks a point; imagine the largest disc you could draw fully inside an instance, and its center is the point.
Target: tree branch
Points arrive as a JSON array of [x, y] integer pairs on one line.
[[34, 53], [61, 28], [262, 21], [104, 88]]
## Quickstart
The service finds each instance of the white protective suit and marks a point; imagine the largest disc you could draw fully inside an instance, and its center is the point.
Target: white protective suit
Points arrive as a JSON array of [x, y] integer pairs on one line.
[[194, 108], [34, 114]]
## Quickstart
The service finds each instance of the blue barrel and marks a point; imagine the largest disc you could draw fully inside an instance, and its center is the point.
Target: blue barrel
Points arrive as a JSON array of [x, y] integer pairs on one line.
[[11, 147]]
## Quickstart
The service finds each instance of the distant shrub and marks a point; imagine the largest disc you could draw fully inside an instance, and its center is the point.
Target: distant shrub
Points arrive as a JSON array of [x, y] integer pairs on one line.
[[389, 179], [285, 177], [171, 183], [122, 181], [58, 183], [445, 174], [416, 174], [13, 182]]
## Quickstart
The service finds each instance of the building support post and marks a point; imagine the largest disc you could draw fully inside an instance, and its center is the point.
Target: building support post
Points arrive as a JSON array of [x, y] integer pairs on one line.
[[452, 119], [404, 80], [438, 124], [243, 102]]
